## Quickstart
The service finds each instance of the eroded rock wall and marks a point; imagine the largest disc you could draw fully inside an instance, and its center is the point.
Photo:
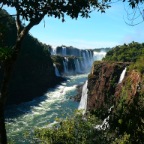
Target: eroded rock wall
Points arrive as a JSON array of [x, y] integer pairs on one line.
[[102, 84]]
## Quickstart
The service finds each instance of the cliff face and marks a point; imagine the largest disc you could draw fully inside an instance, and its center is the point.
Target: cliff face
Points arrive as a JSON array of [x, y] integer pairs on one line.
[[132, 85], [127, 115], [102, 84], [126, 99]]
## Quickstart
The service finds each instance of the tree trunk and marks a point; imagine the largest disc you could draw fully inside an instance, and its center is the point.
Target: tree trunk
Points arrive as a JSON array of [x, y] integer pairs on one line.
[[8, 69], [3, 138]]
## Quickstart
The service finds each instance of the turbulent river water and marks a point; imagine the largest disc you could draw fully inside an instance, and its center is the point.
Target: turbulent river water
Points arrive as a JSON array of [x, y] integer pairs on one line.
[[43, 110]]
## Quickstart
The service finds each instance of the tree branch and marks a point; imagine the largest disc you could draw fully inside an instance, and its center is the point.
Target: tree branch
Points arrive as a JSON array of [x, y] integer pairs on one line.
[[1, 6], [18, 23], [25, 31]]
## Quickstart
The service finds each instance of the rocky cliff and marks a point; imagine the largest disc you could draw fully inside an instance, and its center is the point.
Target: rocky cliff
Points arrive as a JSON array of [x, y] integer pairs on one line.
[[102, 84], [125, 119], [127, 116]]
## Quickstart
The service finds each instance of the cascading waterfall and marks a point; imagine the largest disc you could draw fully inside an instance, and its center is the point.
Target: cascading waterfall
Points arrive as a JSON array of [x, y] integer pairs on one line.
[[56, 71], [84, 63], [65, 64], [83, 102], [122, 75], [105, 123], [77, 66], [64, 51], [88, 57], [84, 59]]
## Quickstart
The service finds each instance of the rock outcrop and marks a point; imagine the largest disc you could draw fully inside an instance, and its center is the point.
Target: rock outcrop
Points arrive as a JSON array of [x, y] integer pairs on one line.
[[102, 84]]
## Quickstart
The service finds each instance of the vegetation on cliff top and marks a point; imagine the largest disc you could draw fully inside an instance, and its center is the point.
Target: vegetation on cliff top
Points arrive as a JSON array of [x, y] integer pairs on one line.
[[125, 53], [133, 52]]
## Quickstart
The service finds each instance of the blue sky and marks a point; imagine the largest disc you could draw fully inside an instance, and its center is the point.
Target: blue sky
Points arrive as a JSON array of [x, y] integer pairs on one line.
[[101, 30]]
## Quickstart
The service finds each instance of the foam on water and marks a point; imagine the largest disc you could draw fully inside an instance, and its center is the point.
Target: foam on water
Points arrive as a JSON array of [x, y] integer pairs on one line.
[[43, 110]]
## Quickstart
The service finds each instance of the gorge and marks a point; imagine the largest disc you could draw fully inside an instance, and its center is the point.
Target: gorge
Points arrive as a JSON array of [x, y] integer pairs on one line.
[[45, 79], [54, 103], [115, 102]]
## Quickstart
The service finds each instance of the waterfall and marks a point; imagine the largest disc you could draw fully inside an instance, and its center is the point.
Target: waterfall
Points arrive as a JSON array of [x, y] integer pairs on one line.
[[64, 51], [83, 102], [122, 75], [88, 58], [56, 71], [80, 60], [65, 64], [84, 59], [77, 66], [105, 123]]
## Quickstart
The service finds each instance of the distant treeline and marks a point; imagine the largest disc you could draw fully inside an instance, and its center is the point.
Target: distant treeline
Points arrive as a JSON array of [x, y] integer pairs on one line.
[[126, 53], [102, 49]]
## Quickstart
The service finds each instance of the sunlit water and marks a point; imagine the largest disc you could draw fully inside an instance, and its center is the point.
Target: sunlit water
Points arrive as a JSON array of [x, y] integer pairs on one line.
[[43, 110]]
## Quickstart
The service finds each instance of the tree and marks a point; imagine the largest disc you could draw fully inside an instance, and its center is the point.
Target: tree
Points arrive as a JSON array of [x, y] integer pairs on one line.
[[134, 12], [33, 11]]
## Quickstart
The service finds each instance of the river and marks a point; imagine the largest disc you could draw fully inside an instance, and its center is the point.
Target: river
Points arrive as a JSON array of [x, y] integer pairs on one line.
[[42, 111]]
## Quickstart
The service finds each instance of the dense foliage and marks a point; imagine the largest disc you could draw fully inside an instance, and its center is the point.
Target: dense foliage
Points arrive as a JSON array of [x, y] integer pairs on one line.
[[125, 53], [138, 65], [75, 130], [33, 10]]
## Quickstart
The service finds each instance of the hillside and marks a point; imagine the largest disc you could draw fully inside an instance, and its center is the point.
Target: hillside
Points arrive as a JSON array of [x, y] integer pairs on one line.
[[34, 71]]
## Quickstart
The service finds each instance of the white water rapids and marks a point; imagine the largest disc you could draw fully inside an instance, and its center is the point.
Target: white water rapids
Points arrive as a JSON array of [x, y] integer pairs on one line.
[[43, 110]]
